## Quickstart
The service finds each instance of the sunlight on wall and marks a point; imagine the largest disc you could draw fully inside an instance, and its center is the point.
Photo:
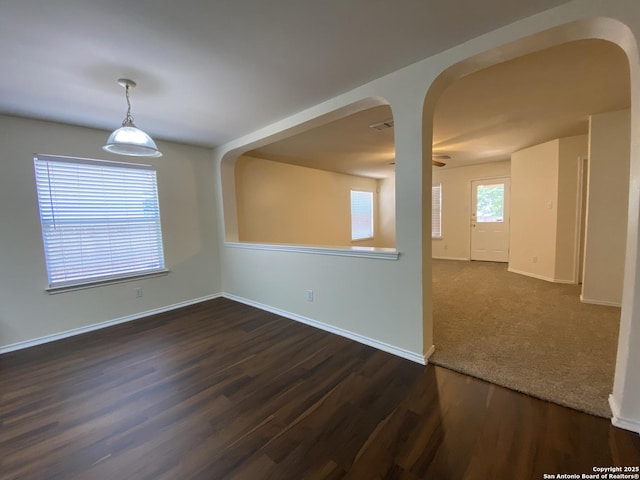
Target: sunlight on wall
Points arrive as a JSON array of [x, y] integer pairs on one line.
[[283, 203]]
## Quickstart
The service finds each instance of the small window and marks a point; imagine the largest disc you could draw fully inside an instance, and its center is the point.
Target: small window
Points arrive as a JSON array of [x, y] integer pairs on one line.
[[361, 215], [436, 211], [100, 220]]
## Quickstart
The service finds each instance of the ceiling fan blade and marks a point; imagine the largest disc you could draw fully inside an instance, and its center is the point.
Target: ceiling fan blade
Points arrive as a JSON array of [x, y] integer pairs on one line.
[[436, 163]]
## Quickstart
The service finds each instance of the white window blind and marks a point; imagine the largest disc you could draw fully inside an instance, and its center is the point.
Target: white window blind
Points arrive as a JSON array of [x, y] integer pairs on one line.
[[100, 220], [436, 211], [361, 215]]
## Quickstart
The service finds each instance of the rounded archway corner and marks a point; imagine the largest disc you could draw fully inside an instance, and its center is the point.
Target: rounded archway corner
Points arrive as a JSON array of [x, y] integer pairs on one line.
[[601, 28], [297, 124], [293, 125]]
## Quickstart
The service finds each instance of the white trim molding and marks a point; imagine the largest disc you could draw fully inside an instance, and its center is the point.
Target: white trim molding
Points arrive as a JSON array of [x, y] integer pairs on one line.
[[102, 283], [385, 347], [600, 302], [365, 252], [97, 326], [541, 277], [620, 422], [461, 259]]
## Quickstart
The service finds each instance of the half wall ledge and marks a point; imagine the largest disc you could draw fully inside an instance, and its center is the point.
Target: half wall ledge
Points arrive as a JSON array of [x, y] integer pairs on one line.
[[363, 252]]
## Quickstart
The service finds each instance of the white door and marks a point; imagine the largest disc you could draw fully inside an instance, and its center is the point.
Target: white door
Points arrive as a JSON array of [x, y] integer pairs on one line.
[[490, 220]]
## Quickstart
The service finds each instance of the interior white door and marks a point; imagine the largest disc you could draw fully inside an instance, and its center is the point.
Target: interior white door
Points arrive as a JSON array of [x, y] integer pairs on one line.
[[490, 220]]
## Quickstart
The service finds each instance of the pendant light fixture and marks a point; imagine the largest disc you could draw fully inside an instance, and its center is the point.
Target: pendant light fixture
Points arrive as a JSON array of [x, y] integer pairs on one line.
[[129, 139]]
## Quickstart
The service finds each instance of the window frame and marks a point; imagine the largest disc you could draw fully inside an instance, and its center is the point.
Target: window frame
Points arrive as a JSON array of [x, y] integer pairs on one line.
[[98, 221], [372, 207], [438, 188]]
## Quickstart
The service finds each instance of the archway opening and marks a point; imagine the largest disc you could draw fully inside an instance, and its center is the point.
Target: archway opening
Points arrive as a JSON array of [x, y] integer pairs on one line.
[[490, 135], [297, 187]]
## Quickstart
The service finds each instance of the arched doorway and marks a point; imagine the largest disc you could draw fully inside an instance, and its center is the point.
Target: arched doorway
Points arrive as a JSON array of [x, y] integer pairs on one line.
[[612, 31]]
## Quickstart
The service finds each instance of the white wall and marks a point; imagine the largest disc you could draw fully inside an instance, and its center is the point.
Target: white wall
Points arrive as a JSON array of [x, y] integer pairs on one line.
[[607, 207], [350, 294], [456, 206], [186, 195]]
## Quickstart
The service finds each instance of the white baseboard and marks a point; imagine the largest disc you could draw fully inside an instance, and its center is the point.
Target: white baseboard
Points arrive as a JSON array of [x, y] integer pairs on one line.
[[452, 258], [541, 277], [98, 326], [385, 347], [618, 421], [599, 302]]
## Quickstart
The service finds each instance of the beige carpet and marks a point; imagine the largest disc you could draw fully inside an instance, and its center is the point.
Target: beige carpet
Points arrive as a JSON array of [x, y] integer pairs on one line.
[[526, 334]]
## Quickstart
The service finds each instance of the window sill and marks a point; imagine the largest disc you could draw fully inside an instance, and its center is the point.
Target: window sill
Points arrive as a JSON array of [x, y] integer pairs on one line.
[[111, 281], [437, 238], [364, 252]]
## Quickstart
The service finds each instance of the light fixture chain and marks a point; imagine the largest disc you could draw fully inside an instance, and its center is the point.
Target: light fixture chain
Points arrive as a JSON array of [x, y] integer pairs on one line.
[[128, 120]]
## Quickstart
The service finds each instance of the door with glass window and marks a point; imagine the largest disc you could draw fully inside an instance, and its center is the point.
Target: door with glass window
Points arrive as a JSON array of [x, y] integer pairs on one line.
[[490, 220]]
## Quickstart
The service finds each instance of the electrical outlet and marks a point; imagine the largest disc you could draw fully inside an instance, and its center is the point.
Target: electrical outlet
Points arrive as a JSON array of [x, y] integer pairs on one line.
[[309, 295], [535, 259], [138, 292]]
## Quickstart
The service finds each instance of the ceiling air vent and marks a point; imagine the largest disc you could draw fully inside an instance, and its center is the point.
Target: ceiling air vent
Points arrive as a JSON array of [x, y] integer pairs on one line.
[[382, 125]]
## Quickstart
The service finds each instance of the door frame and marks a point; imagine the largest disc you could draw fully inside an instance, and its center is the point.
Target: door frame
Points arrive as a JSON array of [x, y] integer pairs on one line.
[[471, 199], [581, 217]]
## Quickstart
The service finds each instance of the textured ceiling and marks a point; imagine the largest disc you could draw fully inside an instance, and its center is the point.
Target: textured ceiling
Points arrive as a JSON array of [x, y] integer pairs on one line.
[[211, 71], [482, 117]]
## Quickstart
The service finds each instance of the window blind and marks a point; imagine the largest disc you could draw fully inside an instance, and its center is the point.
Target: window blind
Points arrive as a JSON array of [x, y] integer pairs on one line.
[[100, 220], [361, 215], [436, 211]]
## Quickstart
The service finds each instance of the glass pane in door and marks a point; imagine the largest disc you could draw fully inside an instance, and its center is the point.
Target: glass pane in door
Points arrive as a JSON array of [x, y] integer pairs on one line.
[[490, 203]]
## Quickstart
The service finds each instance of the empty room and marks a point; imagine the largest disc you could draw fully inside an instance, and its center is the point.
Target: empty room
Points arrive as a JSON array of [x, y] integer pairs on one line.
[[235, 240]]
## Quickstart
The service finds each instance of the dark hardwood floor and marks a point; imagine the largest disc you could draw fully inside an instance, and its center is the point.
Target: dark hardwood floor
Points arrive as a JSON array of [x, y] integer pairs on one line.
[[220, 390]]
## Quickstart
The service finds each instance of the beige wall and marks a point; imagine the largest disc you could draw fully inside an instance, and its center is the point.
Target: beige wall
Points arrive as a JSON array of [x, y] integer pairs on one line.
[[185, 191], [544, 209], [607, 206], [534, 195], [282, 203], [456, 206], [387, 212]]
